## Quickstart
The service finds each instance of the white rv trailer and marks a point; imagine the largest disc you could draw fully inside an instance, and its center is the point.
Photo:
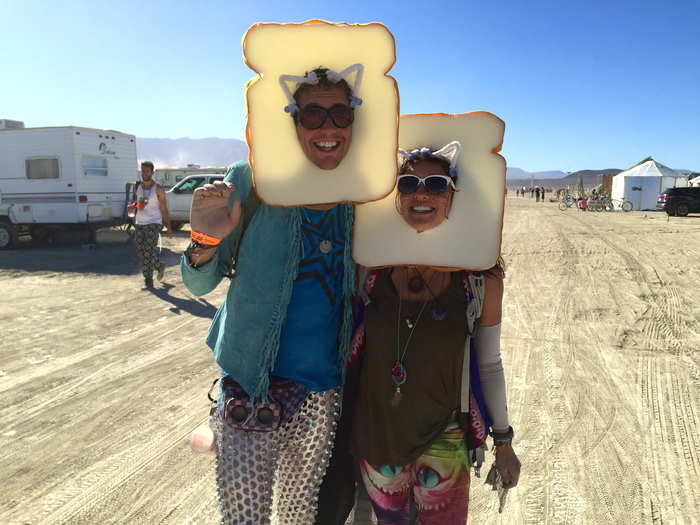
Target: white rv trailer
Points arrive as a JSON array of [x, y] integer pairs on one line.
[[63, 177]]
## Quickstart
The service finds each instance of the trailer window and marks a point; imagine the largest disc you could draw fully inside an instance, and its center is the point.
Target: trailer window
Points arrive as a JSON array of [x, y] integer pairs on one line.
[[94, 166], [42, 168]]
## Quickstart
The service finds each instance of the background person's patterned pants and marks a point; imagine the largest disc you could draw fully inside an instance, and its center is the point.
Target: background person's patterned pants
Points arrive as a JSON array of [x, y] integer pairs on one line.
[[274, 477], [146, 243]]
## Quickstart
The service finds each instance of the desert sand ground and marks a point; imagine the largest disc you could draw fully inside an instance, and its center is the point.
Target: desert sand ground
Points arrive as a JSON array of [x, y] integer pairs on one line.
[[101, 383]]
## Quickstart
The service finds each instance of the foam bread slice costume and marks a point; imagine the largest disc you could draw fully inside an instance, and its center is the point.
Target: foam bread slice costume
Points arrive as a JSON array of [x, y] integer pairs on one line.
[[283, 55], [470, 238]]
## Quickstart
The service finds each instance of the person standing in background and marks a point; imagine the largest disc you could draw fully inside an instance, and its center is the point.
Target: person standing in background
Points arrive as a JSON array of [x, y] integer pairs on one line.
[[151, 214]]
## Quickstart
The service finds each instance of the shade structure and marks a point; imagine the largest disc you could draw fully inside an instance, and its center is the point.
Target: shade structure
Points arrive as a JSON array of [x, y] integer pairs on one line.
[[644, 182]]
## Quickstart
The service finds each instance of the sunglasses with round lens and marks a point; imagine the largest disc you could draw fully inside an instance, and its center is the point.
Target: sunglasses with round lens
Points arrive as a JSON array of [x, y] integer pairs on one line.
[[313, 116], [434, 184]]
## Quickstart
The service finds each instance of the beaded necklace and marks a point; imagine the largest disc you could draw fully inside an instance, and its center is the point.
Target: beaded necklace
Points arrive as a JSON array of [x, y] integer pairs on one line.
[[325, 246]]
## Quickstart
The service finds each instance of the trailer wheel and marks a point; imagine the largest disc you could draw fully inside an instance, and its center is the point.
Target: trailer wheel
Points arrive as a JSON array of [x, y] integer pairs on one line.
[[8, 235]]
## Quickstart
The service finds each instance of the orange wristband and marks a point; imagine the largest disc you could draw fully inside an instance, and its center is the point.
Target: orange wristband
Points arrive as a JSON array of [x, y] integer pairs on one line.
[[203, 238]]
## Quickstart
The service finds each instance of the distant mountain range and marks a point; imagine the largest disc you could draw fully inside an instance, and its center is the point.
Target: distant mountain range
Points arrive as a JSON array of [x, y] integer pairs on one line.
[[590, 178], [520, 174], [178, 153], [209, 152]]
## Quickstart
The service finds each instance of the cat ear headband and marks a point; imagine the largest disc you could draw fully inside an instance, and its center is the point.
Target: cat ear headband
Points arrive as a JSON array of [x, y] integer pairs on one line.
[[449, 152], [313, 79]]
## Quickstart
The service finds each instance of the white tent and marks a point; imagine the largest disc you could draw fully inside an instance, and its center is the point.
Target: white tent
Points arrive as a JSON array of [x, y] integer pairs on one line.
[[695, 181], [644, 182]]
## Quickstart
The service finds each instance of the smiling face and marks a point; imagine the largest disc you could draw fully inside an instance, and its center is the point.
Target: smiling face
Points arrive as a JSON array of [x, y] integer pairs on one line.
[[326, 146], [422, 210], [146, 172]]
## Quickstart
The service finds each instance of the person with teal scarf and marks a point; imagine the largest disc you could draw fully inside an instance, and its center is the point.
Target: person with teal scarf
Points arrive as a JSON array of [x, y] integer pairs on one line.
[[281, 336]]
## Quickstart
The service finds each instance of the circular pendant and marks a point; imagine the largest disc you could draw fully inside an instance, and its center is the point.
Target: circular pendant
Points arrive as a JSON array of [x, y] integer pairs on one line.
[[325, 246], [415, 284]]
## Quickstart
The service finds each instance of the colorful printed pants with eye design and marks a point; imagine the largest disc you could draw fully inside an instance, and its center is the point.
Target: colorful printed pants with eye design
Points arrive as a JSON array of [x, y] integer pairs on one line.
[[438, 483]]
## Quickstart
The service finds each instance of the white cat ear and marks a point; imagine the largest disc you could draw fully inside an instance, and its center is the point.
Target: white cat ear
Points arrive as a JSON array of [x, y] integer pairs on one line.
[[450, 152], [311, 78], [358, 69], [401, 157], [292, 107]]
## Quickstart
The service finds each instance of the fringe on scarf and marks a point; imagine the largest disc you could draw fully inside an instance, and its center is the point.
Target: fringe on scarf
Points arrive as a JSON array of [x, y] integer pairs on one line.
[[345, 334]]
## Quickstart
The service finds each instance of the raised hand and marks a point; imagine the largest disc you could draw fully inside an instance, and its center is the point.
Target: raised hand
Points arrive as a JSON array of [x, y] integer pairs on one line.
[[209, 213]]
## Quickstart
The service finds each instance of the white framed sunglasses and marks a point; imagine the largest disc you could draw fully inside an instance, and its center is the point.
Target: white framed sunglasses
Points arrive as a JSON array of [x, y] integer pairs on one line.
[[434, 184]]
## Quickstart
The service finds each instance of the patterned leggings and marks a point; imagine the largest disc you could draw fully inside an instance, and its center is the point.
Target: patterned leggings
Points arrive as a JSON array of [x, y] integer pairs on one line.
[[274, 477], [438, 483], [146, 243]]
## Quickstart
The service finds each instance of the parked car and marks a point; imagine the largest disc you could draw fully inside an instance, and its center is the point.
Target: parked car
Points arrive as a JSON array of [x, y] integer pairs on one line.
[[679, 201], [179, 197]]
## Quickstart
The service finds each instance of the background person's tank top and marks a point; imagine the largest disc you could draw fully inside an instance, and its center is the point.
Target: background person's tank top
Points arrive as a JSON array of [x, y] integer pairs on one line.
[[386, 435], [151, 213]]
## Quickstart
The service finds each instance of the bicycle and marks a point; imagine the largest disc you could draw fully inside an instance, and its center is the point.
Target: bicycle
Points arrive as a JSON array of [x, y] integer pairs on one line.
[[616, 204], [566, 202]]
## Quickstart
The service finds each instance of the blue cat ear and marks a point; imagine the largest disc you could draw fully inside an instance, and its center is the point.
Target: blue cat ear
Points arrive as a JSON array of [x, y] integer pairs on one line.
[[355, 101], [292, 109]]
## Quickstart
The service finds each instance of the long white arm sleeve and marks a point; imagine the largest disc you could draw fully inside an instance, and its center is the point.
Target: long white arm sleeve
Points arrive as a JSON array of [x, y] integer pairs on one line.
[[493, 381]]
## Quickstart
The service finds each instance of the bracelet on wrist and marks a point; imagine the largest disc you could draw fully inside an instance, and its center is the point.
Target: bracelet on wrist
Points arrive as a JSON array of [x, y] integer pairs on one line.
[[202, 239], [502, 438]]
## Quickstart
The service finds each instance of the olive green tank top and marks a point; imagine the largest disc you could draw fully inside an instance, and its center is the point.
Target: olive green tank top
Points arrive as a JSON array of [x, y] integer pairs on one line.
[[396, 435]]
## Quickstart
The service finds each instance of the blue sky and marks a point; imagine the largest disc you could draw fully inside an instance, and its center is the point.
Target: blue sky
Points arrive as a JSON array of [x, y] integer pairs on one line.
[[579, 84]]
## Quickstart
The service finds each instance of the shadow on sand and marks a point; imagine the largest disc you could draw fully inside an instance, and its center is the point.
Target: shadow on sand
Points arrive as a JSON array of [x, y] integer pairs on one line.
[[197, 307], [112, 255]]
